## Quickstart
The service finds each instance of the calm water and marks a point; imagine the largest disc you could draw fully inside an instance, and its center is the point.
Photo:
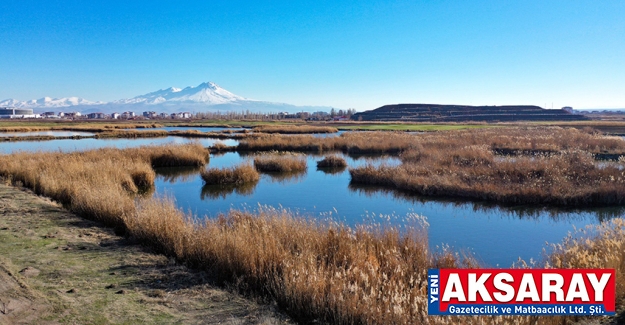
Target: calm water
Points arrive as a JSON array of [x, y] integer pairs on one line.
[[220, 129], [497, 236], [39, 133], [68, 145], [201, 129]]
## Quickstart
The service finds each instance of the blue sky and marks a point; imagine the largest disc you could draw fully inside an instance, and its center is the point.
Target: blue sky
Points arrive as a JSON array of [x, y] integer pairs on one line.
[[346, 54]]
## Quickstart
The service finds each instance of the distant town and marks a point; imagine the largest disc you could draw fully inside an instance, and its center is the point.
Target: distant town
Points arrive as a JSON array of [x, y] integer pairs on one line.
[[27, 113]]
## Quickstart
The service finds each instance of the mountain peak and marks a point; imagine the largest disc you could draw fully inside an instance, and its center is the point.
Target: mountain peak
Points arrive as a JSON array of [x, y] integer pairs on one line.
[[207, 93], [205, 96], [208, 84]]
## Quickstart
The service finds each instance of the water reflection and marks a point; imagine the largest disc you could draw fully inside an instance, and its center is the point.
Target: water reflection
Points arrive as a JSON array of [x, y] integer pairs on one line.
[[178, 174], [46, 133], [286, 177], [198, 128], [498, 235], [516, 211], [70, 145], [331, 170], [214, 192]]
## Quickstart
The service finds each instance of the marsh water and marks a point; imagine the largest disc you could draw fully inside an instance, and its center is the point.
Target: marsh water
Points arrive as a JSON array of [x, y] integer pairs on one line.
[[186, 128], [45, 133], [68, 145], [495, 235]]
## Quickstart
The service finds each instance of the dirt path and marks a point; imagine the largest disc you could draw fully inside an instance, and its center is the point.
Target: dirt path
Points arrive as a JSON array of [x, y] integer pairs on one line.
[[57, 268]]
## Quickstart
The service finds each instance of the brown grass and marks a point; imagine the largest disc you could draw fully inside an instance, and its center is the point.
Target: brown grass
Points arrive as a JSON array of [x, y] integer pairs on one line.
[[236, 175], [294, 129], [314, 269], [569, 178], [97, 184], [280, 163], [131, 134], [332, 161], [325, 271], [598, 246], [537, 140], [228, 134]]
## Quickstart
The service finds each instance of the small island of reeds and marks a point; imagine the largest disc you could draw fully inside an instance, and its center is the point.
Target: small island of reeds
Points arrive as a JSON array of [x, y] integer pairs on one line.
[[332, 161], [280, 162], [241, 174]]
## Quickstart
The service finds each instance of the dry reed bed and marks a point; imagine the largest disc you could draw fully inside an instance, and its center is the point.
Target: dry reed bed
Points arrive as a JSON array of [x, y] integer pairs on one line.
[[236, 175], [314, 269], [280, 162], [596, 246], [551, 139], [332, 161], [131, 134], [228, 134], [294, 129], [98, 184], [326, 271], [570, 178]]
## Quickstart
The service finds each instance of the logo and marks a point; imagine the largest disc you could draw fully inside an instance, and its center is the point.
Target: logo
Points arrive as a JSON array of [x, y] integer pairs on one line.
[[521, 291]]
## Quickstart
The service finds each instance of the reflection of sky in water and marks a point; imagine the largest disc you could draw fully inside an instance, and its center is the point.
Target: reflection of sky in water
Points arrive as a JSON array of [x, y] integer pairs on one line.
[[40, 133], [199, 128], [497, 235], [86, 144]]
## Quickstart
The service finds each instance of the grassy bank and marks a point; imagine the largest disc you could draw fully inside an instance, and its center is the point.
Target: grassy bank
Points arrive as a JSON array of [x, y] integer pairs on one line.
[[59, 268], [314, 269]]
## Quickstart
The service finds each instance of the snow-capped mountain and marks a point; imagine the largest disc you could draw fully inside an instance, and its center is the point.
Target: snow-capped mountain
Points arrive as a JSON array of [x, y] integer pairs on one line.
[[208, 93], [48, 102], [207, 96]]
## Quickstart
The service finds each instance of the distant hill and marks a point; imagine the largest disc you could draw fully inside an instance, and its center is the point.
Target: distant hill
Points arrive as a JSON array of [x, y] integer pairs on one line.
[[464, 113]]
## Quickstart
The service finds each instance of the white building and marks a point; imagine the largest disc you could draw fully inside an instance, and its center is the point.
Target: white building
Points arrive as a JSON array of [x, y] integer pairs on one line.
[[6, 112]]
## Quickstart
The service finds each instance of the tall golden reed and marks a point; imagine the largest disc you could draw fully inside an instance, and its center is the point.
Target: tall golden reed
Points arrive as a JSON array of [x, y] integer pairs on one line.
[[314, 269]]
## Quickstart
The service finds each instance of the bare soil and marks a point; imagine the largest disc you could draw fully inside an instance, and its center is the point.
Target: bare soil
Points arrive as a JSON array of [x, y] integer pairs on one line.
[[57, 268]]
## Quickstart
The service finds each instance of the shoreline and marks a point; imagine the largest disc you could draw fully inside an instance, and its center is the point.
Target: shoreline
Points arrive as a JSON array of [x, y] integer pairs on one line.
[[57, 267]]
